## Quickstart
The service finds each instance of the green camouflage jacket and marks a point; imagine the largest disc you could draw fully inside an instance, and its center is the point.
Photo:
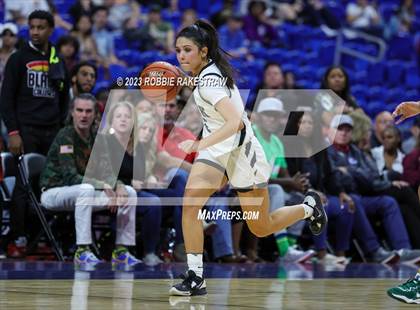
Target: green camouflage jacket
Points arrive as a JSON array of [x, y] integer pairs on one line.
[[68, 162]]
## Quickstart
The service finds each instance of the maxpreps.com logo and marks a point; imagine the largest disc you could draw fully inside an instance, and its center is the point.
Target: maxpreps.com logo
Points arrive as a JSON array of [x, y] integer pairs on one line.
[[38, 79]]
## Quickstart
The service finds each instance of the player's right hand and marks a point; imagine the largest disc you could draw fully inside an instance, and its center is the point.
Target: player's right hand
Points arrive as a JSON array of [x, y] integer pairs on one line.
[[15, 144], [405, 110]]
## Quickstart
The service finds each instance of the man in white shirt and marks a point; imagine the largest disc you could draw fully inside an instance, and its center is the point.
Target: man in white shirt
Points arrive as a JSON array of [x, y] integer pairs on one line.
[[363, 16]]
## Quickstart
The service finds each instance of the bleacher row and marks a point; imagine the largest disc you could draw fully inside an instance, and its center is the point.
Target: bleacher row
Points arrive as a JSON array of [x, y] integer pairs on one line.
[[305, 51]]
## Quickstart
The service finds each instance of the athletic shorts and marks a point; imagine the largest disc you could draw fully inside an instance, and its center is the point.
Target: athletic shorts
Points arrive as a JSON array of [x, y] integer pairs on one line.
[[246, 167]]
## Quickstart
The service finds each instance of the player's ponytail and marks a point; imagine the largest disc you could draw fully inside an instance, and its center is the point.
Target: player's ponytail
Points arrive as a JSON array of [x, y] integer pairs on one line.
[[204, 34]]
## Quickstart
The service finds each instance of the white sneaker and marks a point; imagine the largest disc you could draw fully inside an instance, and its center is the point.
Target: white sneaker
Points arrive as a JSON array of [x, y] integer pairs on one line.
[[151, 260], [294, 255], [330, 259]]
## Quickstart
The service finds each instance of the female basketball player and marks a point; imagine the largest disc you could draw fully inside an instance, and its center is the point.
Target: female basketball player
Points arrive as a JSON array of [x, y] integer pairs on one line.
[[408, 292], [227, 144]]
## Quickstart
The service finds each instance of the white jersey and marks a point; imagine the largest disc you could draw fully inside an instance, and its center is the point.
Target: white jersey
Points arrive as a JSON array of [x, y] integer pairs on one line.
[[209, 91]]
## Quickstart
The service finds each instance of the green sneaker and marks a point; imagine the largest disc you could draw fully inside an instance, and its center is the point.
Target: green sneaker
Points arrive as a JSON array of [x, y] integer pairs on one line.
[[408, 292], [121, 255]]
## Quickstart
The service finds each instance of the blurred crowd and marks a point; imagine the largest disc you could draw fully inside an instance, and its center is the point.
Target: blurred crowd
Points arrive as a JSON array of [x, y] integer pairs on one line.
[[367, 170]]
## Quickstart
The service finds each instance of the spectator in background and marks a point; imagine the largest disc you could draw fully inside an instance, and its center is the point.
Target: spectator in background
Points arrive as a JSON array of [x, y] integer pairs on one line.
[[83, 79], [232, 39], [164, 177], [81, 7], [220, 18], [290, 80], [256, 27], [316, 14], [340, 206], [68, 49], [161, 32], [121, 10], [189, 17], [137, 34], [411, 164], [382, 120], [388, 156], [145, 106], [19, 10], [363, 16], [172, 12], [358, 174], [34, 106], [269, 111], [9, 33], [402, 21], [272, 83], [336, 78], [83, 33], [409, 144], [66, 186], [103, 37]]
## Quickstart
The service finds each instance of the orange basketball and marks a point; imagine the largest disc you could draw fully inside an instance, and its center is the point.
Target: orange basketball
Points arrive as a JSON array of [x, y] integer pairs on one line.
[[159, 81]]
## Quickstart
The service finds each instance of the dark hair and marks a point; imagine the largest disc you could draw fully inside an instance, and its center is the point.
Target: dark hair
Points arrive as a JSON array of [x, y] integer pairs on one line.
[[41, 14], [271, 63], [84, 96], [68, 39], [76, 28], [397, 132], [204, 34], [345, 94], [83, 64], [99, 8]]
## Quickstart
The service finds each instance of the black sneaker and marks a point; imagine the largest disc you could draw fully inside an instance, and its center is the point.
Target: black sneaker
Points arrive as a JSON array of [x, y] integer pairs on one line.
[[191, 285], [319, 219]]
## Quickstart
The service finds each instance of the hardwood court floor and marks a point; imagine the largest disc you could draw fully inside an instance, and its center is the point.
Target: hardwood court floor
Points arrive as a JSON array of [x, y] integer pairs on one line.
[[126, 293]]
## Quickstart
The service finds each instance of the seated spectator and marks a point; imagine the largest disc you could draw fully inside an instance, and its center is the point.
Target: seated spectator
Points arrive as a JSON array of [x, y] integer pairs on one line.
[[256, 27], [272, 82], [189, 17], [340, 206], [232, 39], [363, 16], [145, 106], [66, 187], [83, 79], [121, 10], [388, 156], [9, 33], [161, 32], [68, 49], [316, 14], [402, 21], [81, 7], [383, 120], [220, 18], [120, 133], [19, 10], [172, 12], [174, 179], [265, 129], [103, 37], [411, 164], [83, 33], [357, 175], [409, 144], [337, 79]]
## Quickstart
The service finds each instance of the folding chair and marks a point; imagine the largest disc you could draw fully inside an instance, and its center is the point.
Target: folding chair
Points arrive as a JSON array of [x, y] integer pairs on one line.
[[8, 184], [30, 167]]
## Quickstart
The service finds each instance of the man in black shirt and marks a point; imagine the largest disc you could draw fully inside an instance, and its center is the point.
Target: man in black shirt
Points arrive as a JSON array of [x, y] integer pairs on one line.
[[33, 107]]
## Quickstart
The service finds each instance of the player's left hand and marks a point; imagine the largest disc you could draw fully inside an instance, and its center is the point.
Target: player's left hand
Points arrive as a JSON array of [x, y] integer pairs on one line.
[[188, 146]]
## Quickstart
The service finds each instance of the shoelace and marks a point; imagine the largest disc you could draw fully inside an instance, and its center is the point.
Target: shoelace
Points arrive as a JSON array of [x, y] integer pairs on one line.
[[187, 279], [408, 282]]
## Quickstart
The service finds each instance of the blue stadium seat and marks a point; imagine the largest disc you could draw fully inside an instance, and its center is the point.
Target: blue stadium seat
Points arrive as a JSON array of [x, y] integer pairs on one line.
[[359, 91], [58, 32], [394, 72], [376, 93], [376, 73], [326, 53], [401, 47], [374, 107]]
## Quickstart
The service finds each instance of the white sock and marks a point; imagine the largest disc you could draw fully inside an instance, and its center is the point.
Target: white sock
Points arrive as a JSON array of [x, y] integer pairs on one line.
[[308, 211], [195, 263]]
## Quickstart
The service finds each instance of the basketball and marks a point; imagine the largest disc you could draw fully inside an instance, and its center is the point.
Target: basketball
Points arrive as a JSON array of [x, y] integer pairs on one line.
[[159, 81]]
